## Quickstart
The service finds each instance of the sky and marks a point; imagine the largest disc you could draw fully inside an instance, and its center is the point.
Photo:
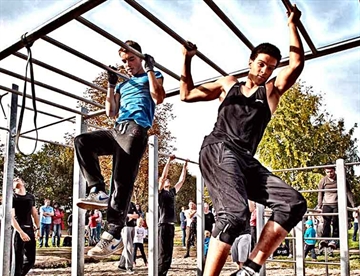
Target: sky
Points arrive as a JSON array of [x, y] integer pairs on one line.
[[337, 76]]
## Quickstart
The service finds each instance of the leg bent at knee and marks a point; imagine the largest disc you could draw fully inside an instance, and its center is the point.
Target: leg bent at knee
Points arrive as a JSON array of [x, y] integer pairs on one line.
[[290, 213], [229, 226]]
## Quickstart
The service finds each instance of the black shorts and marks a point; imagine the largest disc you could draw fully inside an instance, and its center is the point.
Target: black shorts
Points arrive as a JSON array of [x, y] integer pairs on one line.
[[233, 177]]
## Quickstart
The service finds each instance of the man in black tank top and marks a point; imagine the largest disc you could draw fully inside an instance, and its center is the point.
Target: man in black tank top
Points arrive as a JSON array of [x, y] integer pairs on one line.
[[23, 215], [231, 173]]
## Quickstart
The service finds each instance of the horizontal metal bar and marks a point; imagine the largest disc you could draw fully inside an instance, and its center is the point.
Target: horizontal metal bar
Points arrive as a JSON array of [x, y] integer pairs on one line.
[[321, 263], [61, 72], [4, 128], [102, 32], [95, 113], [317, 190], [280, 261], [229, 23], [83, 56], [95, 126], [178, 158], [52, 88], [170, 32], [323, 51], [352, 164], [322, 214], [51, 25], [43, 101], [46, 141], [322, 238], [46, 113], [47, 125], [301, 28]]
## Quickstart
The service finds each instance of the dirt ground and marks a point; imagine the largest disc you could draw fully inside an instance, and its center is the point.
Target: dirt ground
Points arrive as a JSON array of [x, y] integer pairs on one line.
[[48, 259], [57, 262]]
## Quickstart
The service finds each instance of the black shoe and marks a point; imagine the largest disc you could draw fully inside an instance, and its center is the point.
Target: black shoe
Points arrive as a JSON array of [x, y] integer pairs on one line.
[[244, 272], [122, 268], [186, 256]]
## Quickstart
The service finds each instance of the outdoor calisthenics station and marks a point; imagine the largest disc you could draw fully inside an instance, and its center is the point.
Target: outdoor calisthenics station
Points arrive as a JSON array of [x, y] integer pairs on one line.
[[76, 12]]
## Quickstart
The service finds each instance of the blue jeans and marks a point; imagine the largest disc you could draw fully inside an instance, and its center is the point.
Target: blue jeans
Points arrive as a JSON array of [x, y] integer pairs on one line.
[[356, 228], [98, 231], [44, 230], [56, 234], [183, 237]]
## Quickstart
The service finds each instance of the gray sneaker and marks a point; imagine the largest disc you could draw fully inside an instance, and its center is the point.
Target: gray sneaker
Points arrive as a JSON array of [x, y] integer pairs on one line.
[[106, 246], [245, 271], [95, 200]]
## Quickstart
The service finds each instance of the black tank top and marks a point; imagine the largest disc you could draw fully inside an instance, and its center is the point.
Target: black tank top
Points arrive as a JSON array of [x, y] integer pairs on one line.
[[241, 120]]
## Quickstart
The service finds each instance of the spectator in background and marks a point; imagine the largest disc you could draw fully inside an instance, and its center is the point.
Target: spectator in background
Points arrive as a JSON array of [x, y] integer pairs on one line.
[[25, 221], [328, 203], [206, 242], [183, 226], [252, 208], [355, 215], [167, 216], [309, 244], [46, 212], [92, 225], [140, 234], [140, 211], [57, 224], [98, 224], [127, 237], [209, 218], [190, 215], [69, 224]]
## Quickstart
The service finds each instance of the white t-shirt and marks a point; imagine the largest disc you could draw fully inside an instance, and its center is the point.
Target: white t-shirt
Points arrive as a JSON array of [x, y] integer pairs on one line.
[[187, 215], [140, 234]]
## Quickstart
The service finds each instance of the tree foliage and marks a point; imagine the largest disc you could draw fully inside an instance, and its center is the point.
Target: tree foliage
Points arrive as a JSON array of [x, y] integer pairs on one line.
[[302, 134], [48, 173]]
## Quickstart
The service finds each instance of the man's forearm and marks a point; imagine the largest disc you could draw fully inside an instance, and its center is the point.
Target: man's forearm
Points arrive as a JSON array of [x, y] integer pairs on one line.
[[110, 105], [296, 55], [156, 89], [186, 81]]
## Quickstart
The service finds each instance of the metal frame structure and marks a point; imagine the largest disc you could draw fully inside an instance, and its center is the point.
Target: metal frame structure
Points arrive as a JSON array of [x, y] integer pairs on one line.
[[75, 12]]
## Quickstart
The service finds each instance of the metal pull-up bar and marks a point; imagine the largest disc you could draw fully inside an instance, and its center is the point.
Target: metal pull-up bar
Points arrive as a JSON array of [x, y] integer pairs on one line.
[[61, 72], [301, 28], [170, 32], [52, 25], [102, 32], [229, 23], [82, 56], [178, 158]]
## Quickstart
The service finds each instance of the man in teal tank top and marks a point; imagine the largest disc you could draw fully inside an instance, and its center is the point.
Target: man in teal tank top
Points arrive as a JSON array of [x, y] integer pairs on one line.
[[133, 102]]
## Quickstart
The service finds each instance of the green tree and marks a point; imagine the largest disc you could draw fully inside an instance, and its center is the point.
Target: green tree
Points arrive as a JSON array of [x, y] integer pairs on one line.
[[48, 173], [302, 134]]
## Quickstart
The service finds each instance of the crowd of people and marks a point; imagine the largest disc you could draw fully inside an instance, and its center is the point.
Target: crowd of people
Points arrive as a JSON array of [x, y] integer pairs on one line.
[[233, 177]]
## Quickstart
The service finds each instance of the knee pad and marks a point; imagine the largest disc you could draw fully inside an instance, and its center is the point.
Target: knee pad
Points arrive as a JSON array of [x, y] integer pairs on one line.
[[229, 226]]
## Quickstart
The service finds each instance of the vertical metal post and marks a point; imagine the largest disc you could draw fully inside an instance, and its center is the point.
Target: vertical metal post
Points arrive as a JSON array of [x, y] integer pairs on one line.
[[200, 221], [299, 248], [153, 246], [343, 217], [78, 226], [259, 227], [9, 164]]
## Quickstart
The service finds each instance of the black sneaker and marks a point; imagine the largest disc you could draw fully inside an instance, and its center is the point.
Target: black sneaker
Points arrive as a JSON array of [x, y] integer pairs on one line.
[[245, 271], [186, 256]]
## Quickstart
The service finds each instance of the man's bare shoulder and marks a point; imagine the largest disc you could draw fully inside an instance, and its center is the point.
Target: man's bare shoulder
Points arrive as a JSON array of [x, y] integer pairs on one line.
[[227, 82]]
